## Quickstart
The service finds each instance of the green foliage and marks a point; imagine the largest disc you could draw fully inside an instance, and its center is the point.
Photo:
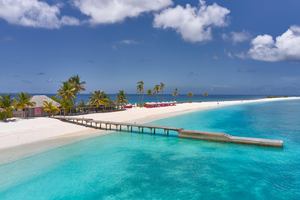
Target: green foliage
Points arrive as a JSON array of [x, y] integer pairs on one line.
[[49, 108], [6, 107], [190, 95], [99, 98], [149, 92], [271, 97], [175, 93], [68, 92], [77, 84], [140, 90], [81, 104], [121, 98], [22, 101], [66, 104], [140, 87], [156, 90], [161, 88]]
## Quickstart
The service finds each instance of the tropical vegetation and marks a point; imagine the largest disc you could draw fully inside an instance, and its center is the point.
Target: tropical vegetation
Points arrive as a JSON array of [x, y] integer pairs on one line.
[[121, 99], [161, 89], [50, 108], [68, 92], [99, 98], [140, 91], [156, 90], [190, 95], [149, 92], [22, 102], [6, 107], [175, 93]]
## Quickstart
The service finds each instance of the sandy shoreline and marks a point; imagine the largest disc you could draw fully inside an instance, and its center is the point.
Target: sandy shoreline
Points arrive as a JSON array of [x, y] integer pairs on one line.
[[26, 137]]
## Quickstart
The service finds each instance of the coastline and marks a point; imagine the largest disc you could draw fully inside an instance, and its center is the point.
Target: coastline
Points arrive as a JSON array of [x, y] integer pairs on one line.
[[27, 137]]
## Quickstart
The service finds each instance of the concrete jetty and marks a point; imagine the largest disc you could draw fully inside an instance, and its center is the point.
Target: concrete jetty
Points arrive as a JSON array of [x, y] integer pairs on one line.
[[223, 137]]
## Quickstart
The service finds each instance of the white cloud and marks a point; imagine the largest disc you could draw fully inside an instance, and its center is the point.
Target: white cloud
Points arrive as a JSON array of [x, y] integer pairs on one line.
[[125, 42], [194, 24], [237, 37], [283, 47], [112, 11], [34, 13], [128, 42]]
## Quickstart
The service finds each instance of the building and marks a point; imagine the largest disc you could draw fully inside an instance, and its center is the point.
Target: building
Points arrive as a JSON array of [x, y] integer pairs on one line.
[[37, 109]]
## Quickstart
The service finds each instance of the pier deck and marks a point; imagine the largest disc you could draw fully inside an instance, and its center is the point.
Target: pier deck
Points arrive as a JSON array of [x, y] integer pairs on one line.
[[131, 127]]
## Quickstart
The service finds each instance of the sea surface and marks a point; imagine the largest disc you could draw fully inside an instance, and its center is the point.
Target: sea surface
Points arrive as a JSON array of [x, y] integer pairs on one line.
[[141, 166], [134, 98]]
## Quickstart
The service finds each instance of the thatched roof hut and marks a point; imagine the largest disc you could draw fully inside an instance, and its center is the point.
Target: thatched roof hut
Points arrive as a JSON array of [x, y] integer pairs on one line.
[[39, 100]]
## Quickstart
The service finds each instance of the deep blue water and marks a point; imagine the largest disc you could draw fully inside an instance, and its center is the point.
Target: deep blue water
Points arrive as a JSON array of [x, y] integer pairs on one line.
[[134, 98], [134, 166]]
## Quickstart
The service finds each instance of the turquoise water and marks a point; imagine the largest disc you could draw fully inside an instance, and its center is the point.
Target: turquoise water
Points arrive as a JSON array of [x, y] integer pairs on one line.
[[133, 166]]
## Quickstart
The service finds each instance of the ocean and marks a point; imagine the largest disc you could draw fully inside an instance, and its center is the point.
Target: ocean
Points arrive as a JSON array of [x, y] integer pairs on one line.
[[134, 98], [141, 166]]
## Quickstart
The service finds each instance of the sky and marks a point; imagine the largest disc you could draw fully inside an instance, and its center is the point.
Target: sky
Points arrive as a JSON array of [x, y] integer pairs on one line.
[[218, 46]]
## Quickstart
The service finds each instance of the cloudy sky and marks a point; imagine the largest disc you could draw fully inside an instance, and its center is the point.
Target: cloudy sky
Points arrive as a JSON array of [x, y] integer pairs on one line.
[[219, 46]]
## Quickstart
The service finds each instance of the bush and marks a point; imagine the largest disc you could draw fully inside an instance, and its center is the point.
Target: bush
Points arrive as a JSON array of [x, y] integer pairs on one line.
[[2, 117], [5, 114]]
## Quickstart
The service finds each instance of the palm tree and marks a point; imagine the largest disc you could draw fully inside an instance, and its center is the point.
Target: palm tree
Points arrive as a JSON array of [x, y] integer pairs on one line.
[[149, 92], [140, 90], [190, 95], [77, 84], [23, 101], [49, 108], [67, 91], [175, 94], [156, 90], [81, 106], [99, 98], [162, 87], [66, 105], [121, 98], [205, 94], [6, 107]]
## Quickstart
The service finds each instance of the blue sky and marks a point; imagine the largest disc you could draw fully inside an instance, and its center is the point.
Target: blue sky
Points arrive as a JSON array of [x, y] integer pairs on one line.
[[220, 46]]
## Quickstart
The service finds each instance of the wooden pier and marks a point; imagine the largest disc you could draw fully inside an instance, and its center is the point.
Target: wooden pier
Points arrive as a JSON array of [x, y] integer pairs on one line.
[[141, 128], [118, 126]]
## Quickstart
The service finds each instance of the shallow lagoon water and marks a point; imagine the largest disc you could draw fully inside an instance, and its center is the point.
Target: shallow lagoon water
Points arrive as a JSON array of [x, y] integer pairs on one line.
[[136, 166]]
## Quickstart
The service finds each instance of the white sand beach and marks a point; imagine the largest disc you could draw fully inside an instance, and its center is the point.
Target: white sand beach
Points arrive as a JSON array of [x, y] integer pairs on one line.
[[43, 133]]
